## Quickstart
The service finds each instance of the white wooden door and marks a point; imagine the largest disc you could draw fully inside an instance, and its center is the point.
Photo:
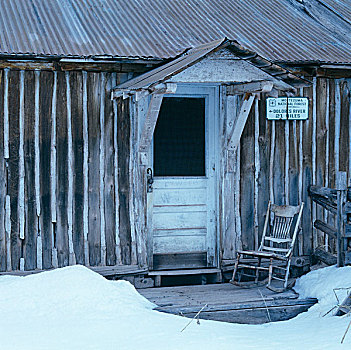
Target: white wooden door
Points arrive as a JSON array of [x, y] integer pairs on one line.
[[183, 204]]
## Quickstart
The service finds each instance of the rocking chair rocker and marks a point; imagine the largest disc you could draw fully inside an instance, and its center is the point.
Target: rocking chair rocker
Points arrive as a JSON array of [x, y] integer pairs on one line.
[[276, 247]]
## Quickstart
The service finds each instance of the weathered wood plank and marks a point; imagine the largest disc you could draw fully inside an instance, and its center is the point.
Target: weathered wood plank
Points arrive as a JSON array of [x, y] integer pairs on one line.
[[94, 169], [109, 187], [247, 179], [53, 174], [13, 170], [31, 223], [76, 82], [102, 169], [85, 169], [70, 172], [123, 144], [45, 96], [307, 176], [61, 173]]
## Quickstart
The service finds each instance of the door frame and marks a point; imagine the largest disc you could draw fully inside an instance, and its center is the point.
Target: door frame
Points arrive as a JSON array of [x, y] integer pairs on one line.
[[212, 139]]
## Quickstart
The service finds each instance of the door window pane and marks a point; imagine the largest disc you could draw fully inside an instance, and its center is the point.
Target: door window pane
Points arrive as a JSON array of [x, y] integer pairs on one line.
[[179, 138]]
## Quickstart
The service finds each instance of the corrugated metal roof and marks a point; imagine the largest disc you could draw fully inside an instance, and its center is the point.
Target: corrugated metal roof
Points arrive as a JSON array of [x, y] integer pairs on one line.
[[340, 7], [276, 29]]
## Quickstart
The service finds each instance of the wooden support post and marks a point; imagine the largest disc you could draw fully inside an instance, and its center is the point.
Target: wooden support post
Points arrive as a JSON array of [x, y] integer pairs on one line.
[[341, 187], [150, 122], [287, 160], [271, 164], [257, 171], [102, 169], [326, 180], [314, 157], [300, 175], [115, 145], [238, 127]]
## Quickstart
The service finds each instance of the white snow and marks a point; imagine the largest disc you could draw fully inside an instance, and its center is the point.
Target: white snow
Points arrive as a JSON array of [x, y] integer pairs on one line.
[[75, 308]]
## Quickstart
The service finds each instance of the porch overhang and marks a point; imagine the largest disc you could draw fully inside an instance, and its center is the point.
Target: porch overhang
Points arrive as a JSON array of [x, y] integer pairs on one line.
[[223, 62]]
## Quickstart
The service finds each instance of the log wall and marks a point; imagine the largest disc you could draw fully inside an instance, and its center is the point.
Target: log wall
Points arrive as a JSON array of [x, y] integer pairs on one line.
[[280, 159], [64, 171]]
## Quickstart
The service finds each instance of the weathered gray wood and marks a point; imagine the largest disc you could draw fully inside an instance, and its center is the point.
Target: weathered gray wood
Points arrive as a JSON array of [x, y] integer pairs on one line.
[[123, 140], [45, 102], [247, 179], [325, 256], [326, 228], [76, 83], [150, 122], [53, 173], [94, 169], [39, 240], [102, 169], [70, 171], [62, 173], [109, 189], [182, 272], [85, 169], [31, 223], [330, 193], [341, 186], [13, 170], [236, 131]]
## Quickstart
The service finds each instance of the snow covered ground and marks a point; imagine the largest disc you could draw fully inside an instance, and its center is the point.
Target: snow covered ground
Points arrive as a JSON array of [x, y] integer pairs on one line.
[[75, 308]]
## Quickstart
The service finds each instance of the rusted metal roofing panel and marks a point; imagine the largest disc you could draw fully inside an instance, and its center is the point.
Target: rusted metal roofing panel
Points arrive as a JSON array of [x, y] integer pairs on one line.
[[276, 29]]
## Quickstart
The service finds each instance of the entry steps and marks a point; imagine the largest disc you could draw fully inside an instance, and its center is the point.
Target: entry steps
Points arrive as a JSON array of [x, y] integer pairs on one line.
[[158, 274]]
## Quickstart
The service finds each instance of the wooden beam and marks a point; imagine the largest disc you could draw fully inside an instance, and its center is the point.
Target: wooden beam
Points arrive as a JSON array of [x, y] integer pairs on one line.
[[257, 86], [326, 228], [238, 127], [325, 256], [150, 122]]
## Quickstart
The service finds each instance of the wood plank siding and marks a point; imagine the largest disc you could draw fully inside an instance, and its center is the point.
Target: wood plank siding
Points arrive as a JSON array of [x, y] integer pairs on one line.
[[64, 157], [292, 155], [72, 189]]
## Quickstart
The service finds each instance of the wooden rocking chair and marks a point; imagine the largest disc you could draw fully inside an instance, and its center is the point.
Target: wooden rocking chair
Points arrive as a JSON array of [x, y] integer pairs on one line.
[[276, 247]]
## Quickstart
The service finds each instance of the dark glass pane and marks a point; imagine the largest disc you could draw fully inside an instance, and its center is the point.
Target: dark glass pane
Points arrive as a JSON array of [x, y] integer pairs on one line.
[[179, 139]]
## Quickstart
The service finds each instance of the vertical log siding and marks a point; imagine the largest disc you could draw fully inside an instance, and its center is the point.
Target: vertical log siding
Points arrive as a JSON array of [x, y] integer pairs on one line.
[[59, 171], [71, 189], [309, 149]]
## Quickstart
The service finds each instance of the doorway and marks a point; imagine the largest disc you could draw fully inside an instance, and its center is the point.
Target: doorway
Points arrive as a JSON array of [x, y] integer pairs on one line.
[[183, 202]]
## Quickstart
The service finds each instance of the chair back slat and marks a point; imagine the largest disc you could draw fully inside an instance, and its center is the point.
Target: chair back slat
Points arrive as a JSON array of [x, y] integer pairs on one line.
[[279, 237]]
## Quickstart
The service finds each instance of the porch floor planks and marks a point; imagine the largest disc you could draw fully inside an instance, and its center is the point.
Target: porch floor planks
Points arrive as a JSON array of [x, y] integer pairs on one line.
[[228, 303]]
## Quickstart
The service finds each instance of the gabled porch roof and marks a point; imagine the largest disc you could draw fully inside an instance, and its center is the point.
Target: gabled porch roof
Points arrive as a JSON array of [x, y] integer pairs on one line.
[[238, 65]]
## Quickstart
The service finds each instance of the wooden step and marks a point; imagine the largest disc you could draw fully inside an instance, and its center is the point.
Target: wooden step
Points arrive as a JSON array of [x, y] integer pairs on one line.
[[183, 272]]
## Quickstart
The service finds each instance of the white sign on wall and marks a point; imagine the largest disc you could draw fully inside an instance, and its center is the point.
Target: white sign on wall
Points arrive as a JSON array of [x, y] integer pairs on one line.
[[291, 108]]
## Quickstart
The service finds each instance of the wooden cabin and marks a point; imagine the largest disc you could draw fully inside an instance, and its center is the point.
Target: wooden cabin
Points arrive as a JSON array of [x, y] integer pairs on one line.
[[132, 143]]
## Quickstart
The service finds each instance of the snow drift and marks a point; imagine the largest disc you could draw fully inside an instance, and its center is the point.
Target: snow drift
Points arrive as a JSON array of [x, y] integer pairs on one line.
[[75, 308]]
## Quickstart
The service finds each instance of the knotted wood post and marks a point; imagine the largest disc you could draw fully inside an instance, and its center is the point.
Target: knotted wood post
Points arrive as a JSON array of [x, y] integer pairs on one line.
[[341, 187]]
